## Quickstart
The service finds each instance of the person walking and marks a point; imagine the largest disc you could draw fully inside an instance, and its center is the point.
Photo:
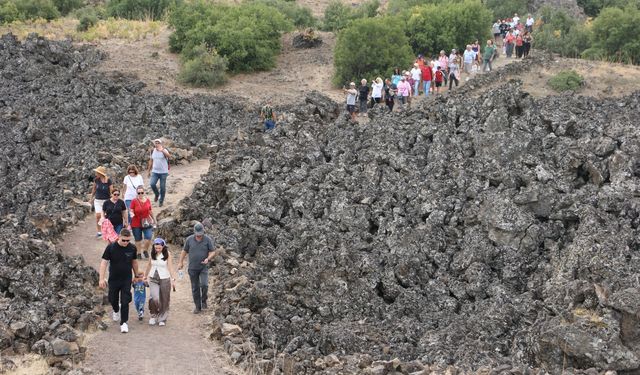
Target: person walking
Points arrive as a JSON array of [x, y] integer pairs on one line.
[[416, 76], [438, 79], [519, 46], [158, 170], [397, 75], [468, 57], [454, 72], [100, 192], [200, 249], [528, 24], [389, 94], [161, 277], [526, 43], [142, 222], [352, 94], [495, 29], [376, 90], [121, 258], [427, 76], [131, 181], [508, 44], [268, 116], [363, 95], [488, 55], [115, 211], [404, 91]]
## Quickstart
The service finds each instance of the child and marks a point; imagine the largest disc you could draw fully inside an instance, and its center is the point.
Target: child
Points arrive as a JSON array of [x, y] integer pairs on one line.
[[139, 294], [439, 78]]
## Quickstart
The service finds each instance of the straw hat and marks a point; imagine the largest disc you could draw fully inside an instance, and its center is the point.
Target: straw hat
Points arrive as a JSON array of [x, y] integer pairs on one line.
[[101, 170]]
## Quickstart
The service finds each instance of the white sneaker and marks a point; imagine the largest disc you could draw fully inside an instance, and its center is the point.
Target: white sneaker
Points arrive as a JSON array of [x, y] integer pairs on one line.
[[162, 324], [116, 316], [124, 328], [152, 321]]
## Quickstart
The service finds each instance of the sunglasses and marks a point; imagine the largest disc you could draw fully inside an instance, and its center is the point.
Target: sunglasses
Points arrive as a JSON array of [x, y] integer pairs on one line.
[[131, 172], [125, 240], [140, 192], [116, 194]]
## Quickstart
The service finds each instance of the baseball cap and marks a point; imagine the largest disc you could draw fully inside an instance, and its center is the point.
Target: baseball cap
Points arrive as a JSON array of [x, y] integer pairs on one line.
[[198, 229], [159, 241], [157, 140]]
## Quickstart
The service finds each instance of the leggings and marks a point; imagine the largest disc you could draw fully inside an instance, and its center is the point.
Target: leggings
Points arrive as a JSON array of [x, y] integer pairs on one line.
[[519, 51], [527, 48]]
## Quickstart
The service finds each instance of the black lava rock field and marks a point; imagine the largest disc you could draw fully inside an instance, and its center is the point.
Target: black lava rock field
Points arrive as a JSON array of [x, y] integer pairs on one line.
[[493, 232]]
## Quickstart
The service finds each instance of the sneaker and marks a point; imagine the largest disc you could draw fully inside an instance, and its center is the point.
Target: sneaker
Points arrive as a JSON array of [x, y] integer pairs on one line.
[[155, 198], [140, 315], [124, 328], [146, 254], [115, 316], [162, 324], [204, 305], [98, 235], [152, 321], [197, 310]]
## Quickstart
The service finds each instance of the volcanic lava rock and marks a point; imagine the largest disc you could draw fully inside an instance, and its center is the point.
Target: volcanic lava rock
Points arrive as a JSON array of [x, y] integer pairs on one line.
[[499, 230]]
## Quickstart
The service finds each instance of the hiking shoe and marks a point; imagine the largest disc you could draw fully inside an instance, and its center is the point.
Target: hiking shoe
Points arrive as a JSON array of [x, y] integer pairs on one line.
[[146, 254], [152, 321], [98, 235], [197, 311], [204, 305], [124, 328], [155, 198], [162, 324], [115, 316]]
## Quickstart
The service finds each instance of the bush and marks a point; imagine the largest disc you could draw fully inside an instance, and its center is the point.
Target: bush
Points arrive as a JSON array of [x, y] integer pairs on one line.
[[561, 34], [66, 6], [368, 48], [88, 18], [567, 80], [615, 34], [247, 35], [337, 15], [447, 25], [204, 68], [8, 12], [592, 8], [140, 9], [301, 17], [33, 9], [506, 8]]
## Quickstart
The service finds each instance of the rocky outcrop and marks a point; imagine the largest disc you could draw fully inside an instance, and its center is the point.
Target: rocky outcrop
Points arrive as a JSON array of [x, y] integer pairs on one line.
[[496, 231]]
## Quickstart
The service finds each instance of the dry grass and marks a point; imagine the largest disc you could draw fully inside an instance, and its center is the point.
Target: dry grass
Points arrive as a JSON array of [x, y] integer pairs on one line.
[[66, 28], [590, 316]]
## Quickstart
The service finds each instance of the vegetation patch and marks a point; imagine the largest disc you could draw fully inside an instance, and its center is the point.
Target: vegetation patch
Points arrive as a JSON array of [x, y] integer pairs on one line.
[[567, 80], [338, 15]]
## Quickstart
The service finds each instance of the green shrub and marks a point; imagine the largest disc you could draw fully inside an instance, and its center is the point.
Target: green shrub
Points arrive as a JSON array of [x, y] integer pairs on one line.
[[451, 24], [67, 6], [336, 16], [140, 9], [615, 35], [369, 48], [33, 9], [247, 35], [8, 12], [298, 15], [561, 34], [506, 8], [88, 18], [567, 80], [592, 8], [204, 68]]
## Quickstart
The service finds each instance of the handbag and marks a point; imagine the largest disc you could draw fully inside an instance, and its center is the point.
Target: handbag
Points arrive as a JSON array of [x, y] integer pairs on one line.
[[146, 222]]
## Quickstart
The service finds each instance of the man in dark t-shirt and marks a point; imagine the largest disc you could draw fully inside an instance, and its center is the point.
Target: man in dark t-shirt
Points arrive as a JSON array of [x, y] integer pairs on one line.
[[121, 257]]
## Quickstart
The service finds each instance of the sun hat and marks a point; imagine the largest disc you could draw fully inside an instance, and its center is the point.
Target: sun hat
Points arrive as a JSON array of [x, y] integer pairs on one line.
[[101, 170], [159, 241], [198, 229], [157, 140]]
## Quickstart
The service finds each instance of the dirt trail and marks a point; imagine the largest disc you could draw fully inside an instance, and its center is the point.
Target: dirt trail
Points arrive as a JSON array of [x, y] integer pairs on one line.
[[178, 348]]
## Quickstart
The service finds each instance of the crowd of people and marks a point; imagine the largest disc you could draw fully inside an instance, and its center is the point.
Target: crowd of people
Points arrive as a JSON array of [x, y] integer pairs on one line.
[[121, 221], [442, 72]]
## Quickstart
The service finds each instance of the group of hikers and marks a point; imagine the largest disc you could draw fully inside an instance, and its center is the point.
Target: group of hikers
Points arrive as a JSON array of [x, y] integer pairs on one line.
[[431, 76], [121, 221]]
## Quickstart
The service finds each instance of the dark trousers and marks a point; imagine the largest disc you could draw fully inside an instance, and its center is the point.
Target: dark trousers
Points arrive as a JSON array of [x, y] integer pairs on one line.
[[527, 48], [390, 104], [119, 297], [519, 51], [452, 78], [199, 286]]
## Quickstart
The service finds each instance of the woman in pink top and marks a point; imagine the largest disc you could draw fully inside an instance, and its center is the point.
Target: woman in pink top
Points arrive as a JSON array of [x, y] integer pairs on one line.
[[404, 90], [444, 62]]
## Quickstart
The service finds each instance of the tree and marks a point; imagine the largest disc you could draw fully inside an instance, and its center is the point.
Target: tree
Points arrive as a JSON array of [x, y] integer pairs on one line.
[[368, 48], [432, 27], [615, 35]]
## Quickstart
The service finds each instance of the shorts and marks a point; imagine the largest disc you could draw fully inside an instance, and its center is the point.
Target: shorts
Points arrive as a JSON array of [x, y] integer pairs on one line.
[[351, 108], [138, 233], [97, 205], [438, 84]]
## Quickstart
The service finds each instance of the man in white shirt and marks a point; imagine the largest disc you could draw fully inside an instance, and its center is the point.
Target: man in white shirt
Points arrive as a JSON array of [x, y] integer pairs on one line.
[[528, 25], [516, 19], [351, 93], [416, 75]]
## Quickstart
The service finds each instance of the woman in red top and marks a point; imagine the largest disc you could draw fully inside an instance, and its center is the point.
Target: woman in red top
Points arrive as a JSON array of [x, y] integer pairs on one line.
[[142, 221]]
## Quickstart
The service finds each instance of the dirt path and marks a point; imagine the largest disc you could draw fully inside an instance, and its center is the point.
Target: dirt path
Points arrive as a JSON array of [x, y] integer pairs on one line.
[[178, 348]]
